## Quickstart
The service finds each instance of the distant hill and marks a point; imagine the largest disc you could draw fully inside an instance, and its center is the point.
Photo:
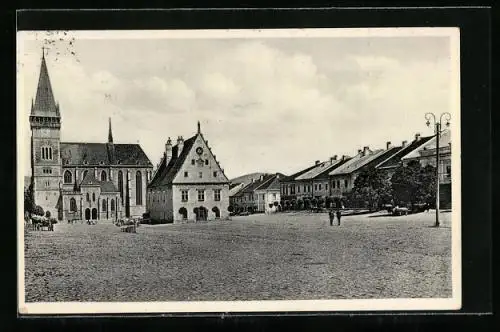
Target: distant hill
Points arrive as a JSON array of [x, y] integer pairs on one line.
[[247, 178]]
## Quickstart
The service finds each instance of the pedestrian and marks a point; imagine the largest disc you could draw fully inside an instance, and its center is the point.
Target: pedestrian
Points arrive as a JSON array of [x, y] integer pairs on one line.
[[339, 214], [331, 214]]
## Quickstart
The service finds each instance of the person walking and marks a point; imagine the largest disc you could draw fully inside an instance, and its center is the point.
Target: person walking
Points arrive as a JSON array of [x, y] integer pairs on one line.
[[331, 214], [339, 214]]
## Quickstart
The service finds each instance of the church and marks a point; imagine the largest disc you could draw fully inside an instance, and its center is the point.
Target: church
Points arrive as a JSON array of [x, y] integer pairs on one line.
[[189, 184], [82, 181]]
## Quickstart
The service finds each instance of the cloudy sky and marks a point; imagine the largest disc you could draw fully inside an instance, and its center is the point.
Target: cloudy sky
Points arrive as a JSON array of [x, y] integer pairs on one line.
[[265, 104]]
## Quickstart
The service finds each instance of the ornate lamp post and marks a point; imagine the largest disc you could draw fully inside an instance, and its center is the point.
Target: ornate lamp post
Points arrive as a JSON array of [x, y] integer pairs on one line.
[[437, 131]]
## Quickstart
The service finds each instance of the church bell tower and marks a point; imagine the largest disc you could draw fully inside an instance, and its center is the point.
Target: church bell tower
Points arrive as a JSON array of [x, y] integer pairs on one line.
[[45, 123]]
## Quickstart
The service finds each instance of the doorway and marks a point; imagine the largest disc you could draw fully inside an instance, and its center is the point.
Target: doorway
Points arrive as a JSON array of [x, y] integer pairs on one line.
[[201, 213], [87, 214], [94, 214]]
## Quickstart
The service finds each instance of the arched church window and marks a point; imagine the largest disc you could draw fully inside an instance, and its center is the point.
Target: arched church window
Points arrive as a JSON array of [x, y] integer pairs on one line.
[[88, 197], [93, 197], [72, 205], [104, 207], [68, 177], [138, 188], [84, 174], [104, 176], [120, 184]]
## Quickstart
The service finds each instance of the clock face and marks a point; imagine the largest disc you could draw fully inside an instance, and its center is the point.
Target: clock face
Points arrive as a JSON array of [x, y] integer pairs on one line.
[[199, 150]]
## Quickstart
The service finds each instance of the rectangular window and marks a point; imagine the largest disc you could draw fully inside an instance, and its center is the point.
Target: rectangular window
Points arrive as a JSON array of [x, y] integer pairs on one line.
[[345, 183], [185, 174], [333, 184], [217, 194], [215, 174], [192, 161], [326, 186], [184, 194], [201, 195], [200, 175], [274, 195], [263, 197], [305, 189], [319, 186], [206, 161], [448, 171], [315, 187], [338, 183], [298, 189]]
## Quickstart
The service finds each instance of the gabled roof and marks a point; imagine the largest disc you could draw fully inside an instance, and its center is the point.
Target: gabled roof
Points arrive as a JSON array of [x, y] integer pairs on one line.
[[45, 104], [358, 161], [273, 183], [395, 159], [295, 175], [444, 140], [320, 169], [90, 181], [166, 173], [235, 188], [103, 154], [252, 186]]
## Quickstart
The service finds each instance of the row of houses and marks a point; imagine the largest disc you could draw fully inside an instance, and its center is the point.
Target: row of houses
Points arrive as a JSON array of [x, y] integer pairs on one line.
[[335, 177]]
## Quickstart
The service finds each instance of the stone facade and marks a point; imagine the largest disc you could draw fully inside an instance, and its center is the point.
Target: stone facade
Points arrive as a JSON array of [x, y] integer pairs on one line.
[[64, 173], [189, 185]]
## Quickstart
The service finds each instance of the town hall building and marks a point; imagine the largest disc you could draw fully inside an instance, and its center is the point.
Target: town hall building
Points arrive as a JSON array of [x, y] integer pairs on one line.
[[82, 181], [189, 184]]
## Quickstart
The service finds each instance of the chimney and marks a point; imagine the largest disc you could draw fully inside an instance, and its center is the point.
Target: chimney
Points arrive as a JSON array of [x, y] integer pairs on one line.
[[261, 177], [365, 150], [388, 145], [417, 136], [404, 143], [360, 151], [180, 145], [168, 151], [317, 162]]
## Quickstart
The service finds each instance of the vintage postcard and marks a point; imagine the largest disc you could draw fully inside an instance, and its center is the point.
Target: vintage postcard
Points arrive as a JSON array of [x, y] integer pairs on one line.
[[238, 170]]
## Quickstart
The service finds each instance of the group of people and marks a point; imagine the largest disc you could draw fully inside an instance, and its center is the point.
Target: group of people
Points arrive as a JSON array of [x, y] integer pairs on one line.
[[332, 214]]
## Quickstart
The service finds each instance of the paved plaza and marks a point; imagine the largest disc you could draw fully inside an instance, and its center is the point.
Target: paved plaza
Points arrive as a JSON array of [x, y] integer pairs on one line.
[[259, 257]]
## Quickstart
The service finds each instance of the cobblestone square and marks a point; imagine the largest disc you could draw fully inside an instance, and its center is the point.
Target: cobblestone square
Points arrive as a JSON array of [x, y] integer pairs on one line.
[[287, 256]]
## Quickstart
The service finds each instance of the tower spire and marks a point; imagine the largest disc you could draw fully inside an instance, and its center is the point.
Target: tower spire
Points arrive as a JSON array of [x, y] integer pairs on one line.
[[199, 127], [110, 133], [45, 104]]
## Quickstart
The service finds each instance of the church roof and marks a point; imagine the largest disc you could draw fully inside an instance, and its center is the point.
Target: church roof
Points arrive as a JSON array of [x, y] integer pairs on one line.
[[45, 104], [166, 173], [101, 154], [106, 186]]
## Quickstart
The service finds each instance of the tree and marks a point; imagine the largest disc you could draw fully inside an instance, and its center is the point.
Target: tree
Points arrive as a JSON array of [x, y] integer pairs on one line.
[[47, 214], [230, 208], [321, 202], [369, 187], [413, 183], [39, 210], [328, 202], [29, 203]]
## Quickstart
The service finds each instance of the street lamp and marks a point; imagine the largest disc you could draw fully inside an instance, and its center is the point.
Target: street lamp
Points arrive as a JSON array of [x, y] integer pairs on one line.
[[437, 131]]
